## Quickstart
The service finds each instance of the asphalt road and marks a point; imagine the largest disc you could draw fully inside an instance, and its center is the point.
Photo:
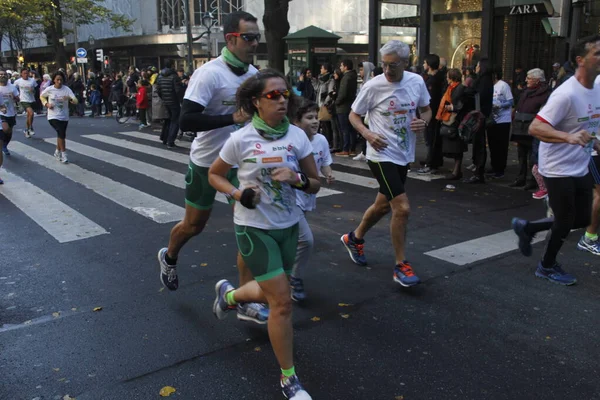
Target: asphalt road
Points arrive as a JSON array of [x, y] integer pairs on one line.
[[483, 330]]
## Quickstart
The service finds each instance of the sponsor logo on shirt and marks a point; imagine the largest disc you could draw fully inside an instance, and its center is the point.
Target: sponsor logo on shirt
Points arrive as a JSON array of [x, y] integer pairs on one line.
[[258, 152], [249, 160], [271, 160], [229, 103], [288, 148], [386, 113], [291, 158], [590, 110], [583, 119], [257, 145], [596, 116], [400, 112]]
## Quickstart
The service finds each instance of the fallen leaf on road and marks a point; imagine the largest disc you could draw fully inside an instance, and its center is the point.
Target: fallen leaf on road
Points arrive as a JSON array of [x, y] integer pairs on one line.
[[344, 305], [548, 338], [337, 206], [420, 207], [257, 348], [56, 314], [74, 309], [167, 391], [203, 264], [67, 397], [98, 309], [399, 397], [28, 322], [432, 201], [345, 316], [61, 379], [161, 289], [315, 319], [55, 369]]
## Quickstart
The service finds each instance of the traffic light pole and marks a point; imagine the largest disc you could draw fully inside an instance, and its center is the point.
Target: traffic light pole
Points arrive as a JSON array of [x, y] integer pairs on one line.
[[188, 30]]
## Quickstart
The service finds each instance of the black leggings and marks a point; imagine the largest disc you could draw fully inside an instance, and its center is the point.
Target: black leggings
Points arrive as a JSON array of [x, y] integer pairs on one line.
[[60, 127], [571, 201]]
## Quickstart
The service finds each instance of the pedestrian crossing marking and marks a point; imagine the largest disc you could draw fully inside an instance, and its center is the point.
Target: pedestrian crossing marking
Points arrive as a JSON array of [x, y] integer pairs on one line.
[[153, 138], [481, 248], [144, 168], [151, 207], [55, 217]]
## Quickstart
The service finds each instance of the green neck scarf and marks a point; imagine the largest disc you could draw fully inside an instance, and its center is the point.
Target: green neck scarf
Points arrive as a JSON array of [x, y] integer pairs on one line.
[[269, 132], [232, 60]]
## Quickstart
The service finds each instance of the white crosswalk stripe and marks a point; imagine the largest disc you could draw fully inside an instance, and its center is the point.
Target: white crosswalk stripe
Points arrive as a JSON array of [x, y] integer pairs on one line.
[[55, 217], [153, 138], [151, 207]]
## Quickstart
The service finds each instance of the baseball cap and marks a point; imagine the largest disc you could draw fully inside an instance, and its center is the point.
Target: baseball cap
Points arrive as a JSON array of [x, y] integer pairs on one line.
[[556, 64]]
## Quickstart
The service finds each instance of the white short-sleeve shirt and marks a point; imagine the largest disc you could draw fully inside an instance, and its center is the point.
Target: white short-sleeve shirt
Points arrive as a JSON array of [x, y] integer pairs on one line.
[[214, 86], [26, 89], [256, 158], [502, 93], [570, 108], [59, 98], [320, 151], [8, 95], [392, 106]]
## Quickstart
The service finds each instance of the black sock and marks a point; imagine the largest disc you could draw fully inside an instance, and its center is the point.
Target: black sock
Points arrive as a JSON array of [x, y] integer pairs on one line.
[[540, 225], [169, 260], [355, 240]]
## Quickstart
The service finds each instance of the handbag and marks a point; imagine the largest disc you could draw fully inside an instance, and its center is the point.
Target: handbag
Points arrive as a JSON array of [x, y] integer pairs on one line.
[[324, 114], [519, 129], [449, 129]]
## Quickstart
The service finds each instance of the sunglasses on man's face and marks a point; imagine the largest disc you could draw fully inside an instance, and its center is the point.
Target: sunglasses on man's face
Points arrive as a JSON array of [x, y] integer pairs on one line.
[[276, 94], [248, 37]]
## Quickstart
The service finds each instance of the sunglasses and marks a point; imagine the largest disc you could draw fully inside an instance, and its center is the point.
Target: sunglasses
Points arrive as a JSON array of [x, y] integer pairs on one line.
[[276, 94], [248, 37]]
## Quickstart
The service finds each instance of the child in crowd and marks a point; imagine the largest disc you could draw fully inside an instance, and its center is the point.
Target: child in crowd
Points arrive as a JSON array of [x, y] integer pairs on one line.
[[306, 118], [142, 102], [95, 100]]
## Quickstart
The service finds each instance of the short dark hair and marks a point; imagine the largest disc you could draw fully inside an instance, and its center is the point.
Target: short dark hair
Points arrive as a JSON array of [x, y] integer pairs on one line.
[[93, 86], [338, 72], [304, 106], [328, 67], [454, 74], [377, 71], [55, 74], [168, 63], [485, 67], [433, 60], [24, 69], [348, 63], [253, 87], [232, 21], [497, 72], [580, 49], [144, 82]]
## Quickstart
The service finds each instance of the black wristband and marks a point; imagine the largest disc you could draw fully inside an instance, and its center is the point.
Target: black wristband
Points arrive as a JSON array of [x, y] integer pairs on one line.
[[247, 198]]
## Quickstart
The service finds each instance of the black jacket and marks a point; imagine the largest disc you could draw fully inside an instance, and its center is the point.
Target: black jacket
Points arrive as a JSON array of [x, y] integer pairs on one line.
[[346, 93], [170, 89], [436, 87]]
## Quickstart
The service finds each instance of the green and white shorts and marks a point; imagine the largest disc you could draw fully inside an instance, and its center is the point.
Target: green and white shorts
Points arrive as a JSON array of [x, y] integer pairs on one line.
[[198, 192]]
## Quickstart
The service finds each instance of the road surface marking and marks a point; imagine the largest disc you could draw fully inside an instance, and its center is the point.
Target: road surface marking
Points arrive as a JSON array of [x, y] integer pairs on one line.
[[153, 138], [144, 168], [151, 207], [481, 248], [55, 217]]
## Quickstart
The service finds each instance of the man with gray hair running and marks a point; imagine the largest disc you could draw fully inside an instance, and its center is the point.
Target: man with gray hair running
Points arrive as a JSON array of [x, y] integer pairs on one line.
[[392, 100]]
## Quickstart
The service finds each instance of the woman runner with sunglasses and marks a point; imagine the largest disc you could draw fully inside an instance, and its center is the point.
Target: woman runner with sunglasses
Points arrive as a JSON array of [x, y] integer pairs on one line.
[[274, 159]]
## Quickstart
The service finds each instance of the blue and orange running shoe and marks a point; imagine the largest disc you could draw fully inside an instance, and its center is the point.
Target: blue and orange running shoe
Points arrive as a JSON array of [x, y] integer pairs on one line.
[[355, 249], [405, 276]]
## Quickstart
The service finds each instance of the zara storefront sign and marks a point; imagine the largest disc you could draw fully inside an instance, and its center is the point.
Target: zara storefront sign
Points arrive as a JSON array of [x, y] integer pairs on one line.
[[527, 9]]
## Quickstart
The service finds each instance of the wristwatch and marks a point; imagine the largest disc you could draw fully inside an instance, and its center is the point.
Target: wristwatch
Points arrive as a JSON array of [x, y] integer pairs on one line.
[[303, 182]]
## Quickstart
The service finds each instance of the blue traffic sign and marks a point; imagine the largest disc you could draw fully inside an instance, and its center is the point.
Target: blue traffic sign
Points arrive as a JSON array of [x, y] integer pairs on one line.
[[81, 52]]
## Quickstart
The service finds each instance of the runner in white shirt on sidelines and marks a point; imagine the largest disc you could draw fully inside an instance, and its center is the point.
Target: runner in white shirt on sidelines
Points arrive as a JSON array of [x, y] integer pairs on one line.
[[26, 86], [266, 220], [498, 134], [392, 101], [209, 108], [567, 127], [306, 118], [9, 95], [56, 98]]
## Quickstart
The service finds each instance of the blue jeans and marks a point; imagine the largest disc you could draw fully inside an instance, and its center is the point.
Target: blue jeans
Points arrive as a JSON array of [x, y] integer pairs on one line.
[[348, 132]]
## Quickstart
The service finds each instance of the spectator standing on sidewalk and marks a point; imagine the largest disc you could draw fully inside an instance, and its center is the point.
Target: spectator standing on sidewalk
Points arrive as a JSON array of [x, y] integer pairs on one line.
[[142, 102], [325, 89], [436, 83], [106, 84], [171, 92], [338, 140], [498, 133], [343, 103]]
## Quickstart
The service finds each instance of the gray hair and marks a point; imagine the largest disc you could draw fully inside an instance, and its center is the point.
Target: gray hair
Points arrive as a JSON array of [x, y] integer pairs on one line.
[[397, 47], [46, 77], [75, 75], [537, 73]]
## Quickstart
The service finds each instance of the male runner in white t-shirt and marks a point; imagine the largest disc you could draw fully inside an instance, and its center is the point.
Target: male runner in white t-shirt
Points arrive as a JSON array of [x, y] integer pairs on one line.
[[566, 126], [26, 86], [392, 101], [209, 108], [9, 95]]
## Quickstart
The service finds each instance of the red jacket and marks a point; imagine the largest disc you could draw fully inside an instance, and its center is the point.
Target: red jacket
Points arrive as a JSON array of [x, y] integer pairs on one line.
[[142, 98]]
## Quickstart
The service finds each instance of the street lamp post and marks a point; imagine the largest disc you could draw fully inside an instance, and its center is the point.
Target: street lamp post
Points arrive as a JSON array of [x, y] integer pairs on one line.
[[207, 23], [190, 40]]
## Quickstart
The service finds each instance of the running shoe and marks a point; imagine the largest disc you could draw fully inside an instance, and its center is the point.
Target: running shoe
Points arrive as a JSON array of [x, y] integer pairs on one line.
[[540, 194], [27, 134], [593, 246], [57, 154], [253, 312], [297, 286], [405, 276], [360, 157], [220, 306], [63, 157], [525, 239], [292, 388], [142, 126], [356, 250], [168, 273], [5, 151], [555, 275], [31, 132]]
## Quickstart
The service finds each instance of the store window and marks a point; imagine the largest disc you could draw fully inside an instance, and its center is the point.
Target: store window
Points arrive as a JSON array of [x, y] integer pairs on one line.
[[456, 31]]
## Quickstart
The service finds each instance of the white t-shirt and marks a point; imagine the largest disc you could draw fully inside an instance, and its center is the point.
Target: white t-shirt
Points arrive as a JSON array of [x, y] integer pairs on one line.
[[257, 157], [8, 94], [570, 108], [59, 98], [214, 86], [502, 93], [392, 106], [320, 151], [26, 89]]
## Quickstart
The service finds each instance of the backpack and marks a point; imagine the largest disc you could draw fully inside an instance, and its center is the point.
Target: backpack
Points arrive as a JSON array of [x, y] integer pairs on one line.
[[472, 123]]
